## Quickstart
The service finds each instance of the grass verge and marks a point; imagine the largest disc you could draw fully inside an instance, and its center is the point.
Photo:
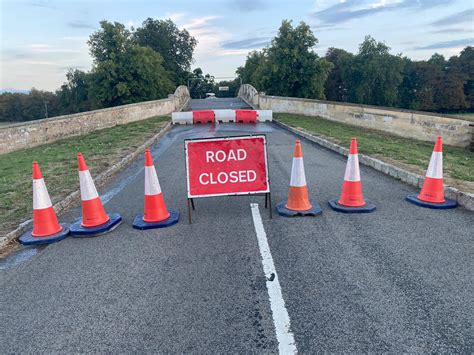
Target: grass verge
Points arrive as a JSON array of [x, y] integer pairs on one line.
[[407, 153], [59, 165]]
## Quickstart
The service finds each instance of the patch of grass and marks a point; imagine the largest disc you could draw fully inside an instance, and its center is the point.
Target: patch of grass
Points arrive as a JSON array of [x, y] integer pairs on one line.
[[58, 163], [412, 154]]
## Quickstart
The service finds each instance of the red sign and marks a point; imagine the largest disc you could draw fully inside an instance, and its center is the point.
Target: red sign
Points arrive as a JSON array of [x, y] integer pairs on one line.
[[227, 166]]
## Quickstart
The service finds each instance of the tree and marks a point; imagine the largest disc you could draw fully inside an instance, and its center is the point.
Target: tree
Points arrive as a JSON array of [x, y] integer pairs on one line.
[[427, 79], [233, 86], [11, 108], [253, 70], [450, 93], [108, 43], [293, 68], [335, 87], [375, 75], [73, 95], [37, 104], [466, 65], [200, 84], [175, 46], [438, 60], [124, 72]]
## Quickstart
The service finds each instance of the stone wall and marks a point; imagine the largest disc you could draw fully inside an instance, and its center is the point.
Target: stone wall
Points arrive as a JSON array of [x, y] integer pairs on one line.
[[412, 124], [30, 134]]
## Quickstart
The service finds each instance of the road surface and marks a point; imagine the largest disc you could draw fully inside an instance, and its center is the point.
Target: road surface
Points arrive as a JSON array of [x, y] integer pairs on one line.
[[217, 104], [397, 280]]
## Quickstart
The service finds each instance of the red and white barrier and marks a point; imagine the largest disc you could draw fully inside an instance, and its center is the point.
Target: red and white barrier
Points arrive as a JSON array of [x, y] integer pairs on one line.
[[222, 116]]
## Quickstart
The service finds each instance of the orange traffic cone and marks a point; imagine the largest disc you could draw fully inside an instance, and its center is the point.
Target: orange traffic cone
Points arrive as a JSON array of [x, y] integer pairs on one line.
[[46, 228], [432, 192], [94, 219], [156, 214], [352, 199], [298, 202]]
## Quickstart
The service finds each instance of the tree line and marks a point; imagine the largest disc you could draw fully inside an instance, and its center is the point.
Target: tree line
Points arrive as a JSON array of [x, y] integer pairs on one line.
[[129, 66], [149, 62], [372, 76]]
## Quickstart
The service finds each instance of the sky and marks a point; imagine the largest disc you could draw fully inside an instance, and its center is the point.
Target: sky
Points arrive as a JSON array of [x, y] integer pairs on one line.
[[41, 39]]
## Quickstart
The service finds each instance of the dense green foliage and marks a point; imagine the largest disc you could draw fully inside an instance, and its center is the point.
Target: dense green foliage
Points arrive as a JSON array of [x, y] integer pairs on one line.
[[124, 72], [175, 46], [373, 76], [289, 66], [128, 66]]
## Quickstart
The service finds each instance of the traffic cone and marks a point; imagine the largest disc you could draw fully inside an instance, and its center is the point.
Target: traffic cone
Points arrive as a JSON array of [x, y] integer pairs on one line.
[[46, 228], [352, 199], [432, 192], [298, 202], [94, 219], [156, 214]]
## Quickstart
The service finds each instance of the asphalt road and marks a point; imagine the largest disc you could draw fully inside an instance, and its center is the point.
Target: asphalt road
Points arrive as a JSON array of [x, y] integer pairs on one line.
[[217, 104], [397, 280]]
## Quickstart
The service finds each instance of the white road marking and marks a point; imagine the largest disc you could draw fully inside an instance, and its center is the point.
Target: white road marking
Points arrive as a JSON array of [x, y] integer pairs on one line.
[[281, 319]]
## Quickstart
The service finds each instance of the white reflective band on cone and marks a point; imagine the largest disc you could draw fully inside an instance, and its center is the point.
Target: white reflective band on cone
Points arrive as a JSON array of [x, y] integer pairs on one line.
[[41, 198], [152, 185], [88, 190], [435, 169], [298, 177], [352, 168]]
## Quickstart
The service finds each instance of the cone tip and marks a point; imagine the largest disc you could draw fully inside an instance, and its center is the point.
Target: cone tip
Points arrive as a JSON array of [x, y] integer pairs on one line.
[[353, 147], [438, 145], [81, 162], [148, 158], [36, 171], [298, 153]]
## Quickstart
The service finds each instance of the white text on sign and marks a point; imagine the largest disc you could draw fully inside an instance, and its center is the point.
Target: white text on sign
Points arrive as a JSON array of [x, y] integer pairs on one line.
[[223, 177]]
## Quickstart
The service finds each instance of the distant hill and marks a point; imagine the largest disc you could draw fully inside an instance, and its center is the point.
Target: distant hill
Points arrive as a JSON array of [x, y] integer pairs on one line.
[[14, 91]]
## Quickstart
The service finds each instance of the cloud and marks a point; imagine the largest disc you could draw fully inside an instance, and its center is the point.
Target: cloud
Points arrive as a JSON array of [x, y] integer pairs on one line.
[[75, 38], [41, 4], [174, 16], [208, 35], [80, 24], [39, 46], [353, 9], [248, 43], [466, 16], [448, 44], [453, 30], [248, 5], [38, 62]]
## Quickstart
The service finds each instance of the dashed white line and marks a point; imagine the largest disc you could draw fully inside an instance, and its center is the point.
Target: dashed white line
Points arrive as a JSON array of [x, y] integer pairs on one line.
[[281, 319]]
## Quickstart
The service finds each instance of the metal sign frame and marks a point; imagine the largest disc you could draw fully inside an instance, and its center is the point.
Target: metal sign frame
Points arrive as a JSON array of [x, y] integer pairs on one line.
[[266, 193]]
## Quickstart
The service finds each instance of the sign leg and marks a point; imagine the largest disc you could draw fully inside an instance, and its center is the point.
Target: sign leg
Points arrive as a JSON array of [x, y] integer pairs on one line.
[[270, 205], [189, 210], [192, 203]]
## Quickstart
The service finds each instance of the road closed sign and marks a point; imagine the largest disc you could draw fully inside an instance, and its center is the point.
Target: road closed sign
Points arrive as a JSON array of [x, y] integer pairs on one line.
[[226, 166]]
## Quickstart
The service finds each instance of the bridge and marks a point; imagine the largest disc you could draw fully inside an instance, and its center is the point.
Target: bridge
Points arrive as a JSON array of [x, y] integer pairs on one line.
[[397, 280]]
